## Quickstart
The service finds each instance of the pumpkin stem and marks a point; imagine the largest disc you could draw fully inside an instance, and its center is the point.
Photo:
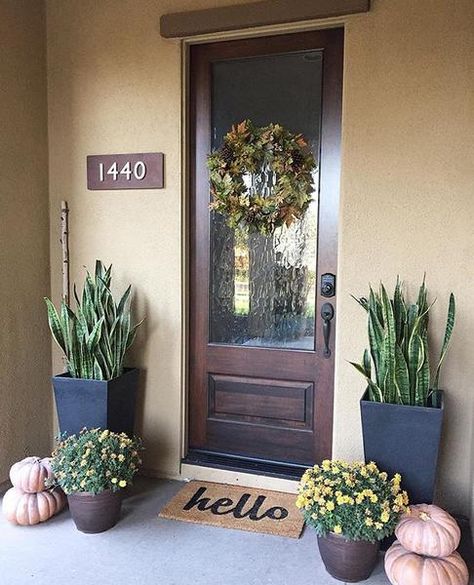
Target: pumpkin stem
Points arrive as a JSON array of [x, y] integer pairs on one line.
[[424, 516]]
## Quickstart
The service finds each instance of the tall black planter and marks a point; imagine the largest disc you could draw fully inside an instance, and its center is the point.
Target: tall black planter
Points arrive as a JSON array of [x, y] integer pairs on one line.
[[108, 404], [405, 439]]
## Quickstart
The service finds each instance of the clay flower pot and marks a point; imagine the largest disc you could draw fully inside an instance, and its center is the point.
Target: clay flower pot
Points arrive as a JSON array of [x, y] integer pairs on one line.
[[94, 513], [350, 561]]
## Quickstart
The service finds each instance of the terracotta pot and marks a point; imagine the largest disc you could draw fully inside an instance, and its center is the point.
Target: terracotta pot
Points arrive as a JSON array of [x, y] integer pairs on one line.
[[94, 513], [348, 560]]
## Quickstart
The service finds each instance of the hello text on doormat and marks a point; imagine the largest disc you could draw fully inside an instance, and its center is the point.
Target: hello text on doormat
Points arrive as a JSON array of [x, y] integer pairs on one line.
[[237, 507]]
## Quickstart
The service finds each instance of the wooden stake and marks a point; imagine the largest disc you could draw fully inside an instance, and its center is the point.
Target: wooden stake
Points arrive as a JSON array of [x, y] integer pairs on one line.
[[65, 250]]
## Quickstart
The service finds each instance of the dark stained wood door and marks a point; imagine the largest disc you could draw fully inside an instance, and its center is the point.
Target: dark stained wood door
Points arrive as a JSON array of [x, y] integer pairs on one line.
[[260, 376]]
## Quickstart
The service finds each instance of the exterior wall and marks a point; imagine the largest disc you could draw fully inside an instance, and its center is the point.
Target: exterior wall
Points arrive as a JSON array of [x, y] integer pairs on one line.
[[407, 203], [25, 349], [115, 86]]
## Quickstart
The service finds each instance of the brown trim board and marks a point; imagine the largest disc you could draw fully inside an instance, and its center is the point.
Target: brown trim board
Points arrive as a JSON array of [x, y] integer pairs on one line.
[[255, 14]]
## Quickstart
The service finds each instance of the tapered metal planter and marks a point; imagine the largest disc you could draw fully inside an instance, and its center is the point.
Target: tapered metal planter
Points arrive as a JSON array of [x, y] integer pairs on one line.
[[350, 561], [405, 440], [108, 404]]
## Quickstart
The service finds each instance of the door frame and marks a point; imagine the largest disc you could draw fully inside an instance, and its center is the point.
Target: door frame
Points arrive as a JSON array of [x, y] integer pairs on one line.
[[186, 184]]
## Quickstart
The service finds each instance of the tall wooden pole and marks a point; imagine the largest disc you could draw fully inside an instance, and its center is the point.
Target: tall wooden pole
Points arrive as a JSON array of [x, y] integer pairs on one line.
[[65, 250]]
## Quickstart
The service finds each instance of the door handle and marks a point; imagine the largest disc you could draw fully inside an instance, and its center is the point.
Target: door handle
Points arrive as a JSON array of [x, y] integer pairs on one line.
[[327, 314]]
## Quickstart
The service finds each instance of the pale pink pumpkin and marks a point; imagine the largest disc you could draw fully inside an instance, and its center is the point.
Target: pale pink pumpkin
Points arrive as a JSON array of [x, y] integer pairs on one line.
[[30, 473], [428, 530], [26, 509], [404, 567]]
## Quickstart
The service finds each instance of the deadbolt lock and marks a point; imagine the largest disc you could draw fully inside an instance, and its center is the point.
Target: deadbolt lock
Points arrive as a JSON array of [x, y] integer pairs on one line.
[[328, 285]]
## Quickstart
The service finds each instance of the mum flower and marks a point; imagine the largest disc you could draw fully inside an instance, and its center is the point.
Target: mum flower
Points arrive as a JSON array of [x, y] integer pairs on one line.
[[385, 516]]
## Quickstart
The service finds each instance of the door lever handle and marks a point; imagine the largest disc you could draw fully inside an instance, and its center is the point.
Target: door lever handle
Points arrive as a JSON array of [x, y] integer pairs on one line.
[[327, 314]]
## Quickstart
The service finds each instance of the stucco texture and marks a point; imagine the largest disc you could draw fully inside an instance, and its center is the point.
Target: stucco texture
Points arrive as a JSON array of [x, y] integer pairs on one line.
[[116, 86], [25, 348]]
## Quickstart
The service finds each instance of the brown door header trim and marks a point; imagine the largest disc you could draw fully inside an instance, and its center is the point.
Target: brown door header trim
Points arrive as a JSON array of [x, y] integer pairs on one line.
[[255, 14]]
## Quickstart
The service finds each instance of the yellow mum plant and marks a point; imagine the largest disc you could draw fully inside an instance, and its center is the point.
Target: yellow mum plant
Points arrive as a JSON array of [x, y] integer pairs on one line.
[[356, 500], [96, 460]]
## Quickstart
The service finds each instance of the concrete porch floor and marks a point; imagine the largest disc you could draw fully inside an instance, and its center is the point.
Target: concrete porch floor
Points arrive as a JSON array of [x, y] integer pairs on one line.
[[143, 549]]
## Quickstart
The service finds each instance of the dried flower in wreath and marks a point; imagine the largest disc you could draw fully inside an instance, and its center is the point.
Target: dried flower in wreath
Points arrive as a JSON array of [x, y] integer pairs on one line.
[[261, 177]]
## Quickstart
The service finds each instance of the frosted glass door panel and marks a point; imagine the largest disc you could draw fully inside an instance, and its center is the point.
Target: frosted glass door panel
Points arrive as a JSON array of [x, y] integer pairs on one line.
[[262, 288]]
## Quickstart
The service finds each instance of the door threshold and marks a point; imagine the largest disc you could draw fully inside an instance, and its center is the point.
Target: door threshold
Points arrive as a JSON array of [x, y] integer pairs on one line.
[[253, 466]]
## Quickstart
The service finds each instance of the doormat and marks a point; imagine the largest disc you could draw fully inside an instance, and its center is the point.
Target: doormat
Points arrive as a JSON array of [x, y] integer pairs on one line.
[[230, 506]]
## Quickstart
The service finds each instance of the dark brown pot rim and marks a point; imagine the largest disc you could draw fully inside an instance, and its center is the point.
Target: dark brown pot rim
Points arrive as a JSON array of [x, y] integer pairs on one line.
[[333, 535], [103, 493]]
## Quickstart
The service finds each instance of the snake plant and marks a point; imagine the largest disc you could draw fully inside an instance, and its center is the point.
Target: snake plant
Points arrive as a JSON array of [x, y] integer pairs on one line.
[[95, 337], [396, 366]]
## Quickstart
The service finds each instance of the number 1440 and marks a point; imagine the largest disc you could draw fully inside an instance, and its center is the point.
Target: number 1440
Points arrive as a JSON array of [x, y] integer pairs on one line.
[[138, 171]]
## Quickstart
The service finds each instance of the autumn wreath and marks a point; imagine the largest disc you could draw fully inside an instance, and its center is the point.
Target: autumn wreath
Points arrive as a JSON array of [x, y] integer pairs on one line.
[[261, 177]]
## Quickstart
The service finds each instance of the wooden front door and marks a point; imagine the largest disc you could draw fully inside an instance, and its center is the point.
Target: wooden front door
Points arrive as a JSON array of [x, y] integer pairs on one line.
[[262, 322]]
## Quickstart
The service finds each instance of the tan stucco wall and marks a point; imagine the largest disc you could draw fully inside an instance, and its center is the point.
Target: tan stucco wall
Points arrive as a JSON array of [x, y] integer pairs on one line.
[[25, 349], [407, 206], [407, 203]]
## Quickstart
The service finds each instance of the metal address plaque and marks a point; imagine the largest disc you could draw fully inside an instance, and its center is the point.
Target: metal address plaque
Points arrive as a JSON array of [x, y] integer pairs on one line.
[[125, 171]]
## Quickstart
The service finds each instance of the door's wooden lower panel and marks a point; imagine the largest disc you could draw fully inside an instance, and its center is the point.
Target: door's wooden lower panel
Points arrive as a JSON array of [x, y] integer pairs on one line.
[[259, 417], [261, 441], [259, 400]]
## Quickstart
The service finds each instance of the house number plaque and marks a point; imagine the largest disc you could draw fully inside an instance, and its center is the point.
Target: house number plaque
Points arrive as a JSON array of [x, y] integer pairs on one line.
[[125, 171]]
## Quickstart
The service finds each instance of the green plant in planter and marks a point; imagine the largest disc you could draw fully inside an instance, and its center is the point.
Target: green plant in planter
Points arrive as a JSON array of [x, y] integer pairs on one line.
[[95, 337], [355, 499], [397, 366], [94, 461]]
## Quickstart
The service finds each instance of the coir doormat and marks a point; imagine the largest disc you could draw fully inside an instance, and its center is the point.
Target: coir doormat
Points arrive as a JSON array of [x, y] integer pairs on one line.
[[237, 507]]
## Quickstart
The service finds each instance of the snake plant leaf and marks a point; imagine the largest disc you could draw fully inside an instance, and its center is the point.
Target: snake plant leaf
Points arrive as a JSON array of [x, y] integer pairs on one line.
[[75, 355], [98, 373], [389, 342], [376, 302], [125, 298], [117, 345], [363, 302], [367, 363], [99, 269], [55, 325], [103, 364], [83, 327], [376, 335], [87, 362], [422, 296], [447, 338], [95, 335], [413, 311], [375, 393], [399, 311], [422, 383], [133, 333], [106, 303], [76, 296], [402, 378], [414, 350], [124, 331], [107, 276]]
